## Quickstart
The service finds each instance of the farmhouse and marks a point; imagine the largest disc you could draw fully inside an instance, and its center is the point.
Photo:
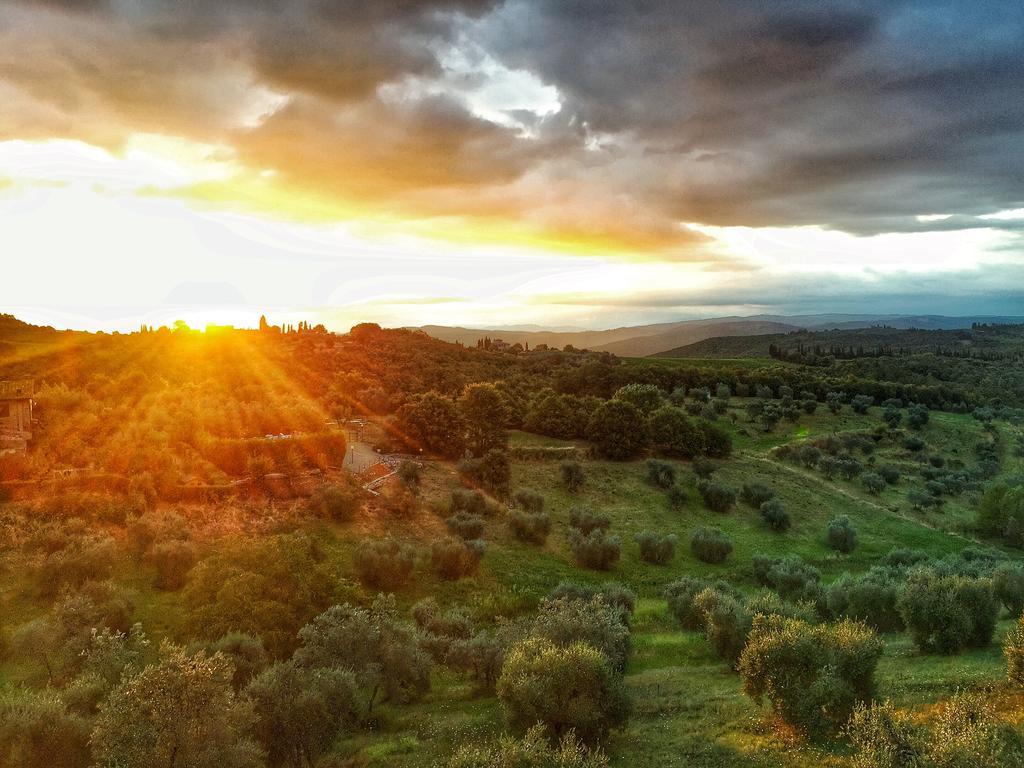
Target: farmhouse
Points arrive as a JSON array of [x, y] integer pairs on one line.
[[15, 416]]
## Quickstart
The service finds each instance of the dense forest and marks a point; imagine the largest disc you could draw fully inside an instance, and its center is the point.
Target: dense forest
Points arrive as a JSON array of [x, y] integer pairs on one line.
[[288, 547]]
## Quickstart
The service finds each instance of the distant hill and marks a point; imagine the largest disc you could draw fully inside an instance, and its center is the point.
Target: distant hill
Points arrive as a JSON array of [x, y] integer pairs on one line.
[[840, 342], [667, 338]]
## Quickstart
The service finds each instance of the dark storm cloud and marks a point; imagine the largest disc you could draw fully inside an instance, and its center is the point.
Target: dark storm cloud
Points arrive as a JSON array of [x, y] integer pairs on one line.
[[858, 115]]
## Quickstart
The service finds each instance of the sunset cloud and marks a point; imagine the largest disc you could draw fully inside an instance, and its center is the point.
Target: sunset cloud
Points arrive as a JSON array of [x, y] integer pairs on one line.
[[653, 133]]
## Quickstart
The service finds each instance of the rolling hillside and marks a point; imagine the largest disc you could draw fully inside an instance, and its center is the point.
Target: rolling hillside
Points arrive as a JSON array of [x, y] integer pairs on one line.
[[666, 338]]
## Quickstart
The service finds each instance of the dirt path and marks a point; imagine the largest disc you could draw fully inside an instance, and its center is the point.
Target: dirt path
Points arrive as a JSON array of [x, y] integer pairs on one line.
[[808, 478]]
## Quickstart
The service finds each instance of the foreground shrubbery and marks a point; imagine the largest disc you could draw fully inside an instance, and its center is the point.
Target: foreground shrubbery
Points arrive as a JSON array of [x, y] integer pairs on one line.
[[571, 689], [813, 676], [533, 750], [946, 613]]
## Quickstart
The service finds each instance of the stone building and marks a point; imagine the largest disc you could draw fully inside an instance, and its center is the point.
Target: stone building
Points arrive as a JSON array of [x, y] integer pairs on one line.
[[15, 416]]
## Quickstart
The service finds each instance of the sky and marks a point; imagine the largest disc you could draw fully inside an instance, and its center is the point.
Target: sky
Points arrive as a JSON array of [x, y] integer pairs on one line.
[[569, 163]]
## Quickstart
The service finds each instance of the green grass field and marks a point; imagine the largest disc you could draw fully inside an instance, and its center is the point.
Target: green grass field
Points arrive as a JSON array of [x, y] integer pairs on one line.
[[688, 706]]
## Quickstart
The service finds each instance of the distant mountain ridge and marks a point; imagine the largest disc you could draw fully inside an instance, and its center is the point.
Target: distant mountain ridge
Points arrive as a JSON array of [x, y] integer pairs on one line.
[[660, 338]]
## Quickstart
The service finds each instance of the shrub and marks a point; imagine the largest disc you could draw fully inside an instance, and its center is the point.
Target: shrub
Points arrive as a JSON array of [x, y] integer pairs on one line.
[[586, 520], [661, 473], [528, 500], [889, 473], [717, 443], [618, 429], [966, 732], [37, 731], [532, 528], [840, 535], [571, 689], [385, 563], [612, 592], [913, 443], [727, 623], [246, 653], [334, 502], [775, 514], [756, 494], [813, 675], [717, 497], [595, 622], [703, 468], [533, 750], [871, 598], [454, 558], [182, 709], [173, 561], [873, 482], [409, 472], [573, 476], [681, 595], [383, 651], [656, 548], [300, 711], [945, 614], [790, 576], [466, 526], [1008, 583], [861, 403], [596, 549], [1013, 650], [674, 434], [285, 575], [710, 545], [676, 497], [467, 501], [491, 471]]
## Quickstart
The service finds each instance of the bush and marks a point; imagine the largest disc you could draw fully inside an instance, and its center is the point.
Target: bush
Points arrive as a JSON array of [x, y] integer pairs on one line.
[[965, 733], [703, 468], [454, 558], [661, 473], [617, 429], [946, 614], [246, 653], [717, 443], [756, 494], [573, 476], [676, 497], [873, 482], [1013, 650], [300, 711], [37, 731], [717, 497], [586, 521], [596, 549], [790, 576], [656, 548], [813, 675], [528, 500], [335, 502], [491, 471], [727, 623], [597, 623], [775, 514], [385, 563], [532, 528], [468, 502], [710, 545], [173, 561], [889, 473], [674, 434], [1008, 583], [871, 598], [840, 535], [567, 690], [466, 526], [681, 595], [534, 750], [612, 592]]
